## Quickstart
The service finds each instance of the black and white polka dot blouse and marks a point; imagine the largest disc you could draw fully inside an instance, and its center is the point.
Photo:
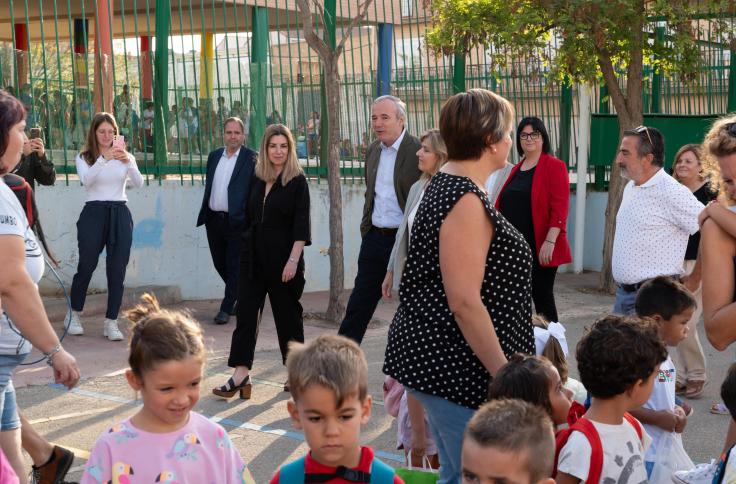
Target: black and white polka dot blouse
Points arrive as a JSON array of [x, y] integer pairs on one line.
[[426, 350]]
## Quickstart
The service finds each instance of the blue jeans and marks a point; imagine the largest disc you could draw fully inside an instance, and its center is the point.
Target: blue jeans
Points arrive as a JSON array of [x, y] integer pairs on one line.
[[624, 304], [9, 418], [447, 421]]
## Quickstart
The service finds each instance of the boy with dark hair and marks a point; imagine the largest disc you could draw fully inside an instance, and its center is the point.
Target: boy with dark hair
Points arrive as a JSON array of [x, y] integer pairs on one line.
[[670, 305], [328, 380], [618, 360], [508, 441]]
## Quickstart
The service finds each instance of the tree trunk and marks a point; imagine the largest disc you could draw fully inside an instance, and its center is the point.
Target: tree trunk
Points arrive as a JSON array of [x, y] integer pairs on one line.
[[335, 308]]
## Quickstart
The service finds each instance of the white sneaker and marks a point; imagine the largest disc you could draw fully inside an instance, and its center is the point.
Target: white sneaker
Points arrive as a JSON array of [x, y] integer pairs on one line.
[[702, 474], [73, 324], [111, 330]]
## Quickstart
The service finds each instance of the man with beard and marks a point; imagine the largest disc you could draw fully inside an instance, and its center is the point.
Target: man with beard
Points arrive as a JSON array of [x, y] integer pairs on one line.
[[655, 219]]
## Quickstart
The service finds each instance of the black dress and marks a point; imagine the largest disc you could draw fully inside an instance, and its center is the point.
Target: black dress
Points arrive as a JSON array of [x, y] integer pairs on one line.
[[275, 221], [426, 350], [515, 203]]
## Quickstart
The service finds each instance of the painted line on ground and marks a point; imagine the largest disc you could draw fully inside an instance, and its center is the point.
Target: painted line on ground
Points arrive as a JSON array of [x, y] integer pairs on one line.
[[70, 415], [298, 436]]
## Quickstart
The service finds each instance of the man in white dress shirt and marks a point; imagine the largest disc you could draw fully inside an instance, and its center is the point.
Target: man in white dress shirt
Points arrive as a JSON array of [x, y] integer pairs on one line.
[[227, 188], [391, 168], [655, 219]]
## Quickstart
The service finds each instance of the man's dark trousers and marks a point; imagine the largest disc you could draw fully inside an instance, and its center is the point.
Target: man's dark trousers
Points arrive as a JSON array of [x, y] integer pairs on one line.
[[225, 242], [375, 251]]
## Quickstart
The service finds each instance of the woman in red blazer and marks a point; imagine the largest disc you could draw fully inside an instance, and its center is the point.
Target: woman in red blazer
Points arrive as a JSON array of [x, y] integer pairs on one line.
[[535, 199]]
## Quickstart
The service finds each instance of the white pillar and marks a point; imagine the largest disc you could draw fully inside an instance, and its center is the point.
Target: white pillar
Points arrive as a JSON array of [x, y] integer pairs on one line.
[[584, 97]]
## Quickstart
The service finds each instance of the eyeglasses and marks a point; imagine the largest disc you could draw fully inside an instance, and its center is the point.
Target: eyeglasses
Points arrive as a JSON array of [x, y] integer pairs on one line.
[[535, 135], [644, 129], [731, 128]]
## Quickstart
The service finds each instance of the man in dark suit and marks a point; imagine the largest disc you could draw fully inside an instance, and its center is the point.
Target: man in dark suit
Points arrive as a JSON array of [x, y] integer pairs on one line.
[[391, 168], [229, 173]]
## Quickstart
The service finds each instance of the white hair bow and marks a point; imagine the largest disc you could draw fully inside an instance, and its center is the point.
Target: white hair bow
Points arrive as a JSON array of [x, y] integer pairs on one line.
[[541, 336]]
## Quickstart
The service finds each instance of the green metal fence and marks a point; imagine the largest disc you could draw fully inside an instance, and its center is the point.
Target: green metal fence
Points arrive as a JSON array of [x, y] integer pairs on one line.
[[248, 58]]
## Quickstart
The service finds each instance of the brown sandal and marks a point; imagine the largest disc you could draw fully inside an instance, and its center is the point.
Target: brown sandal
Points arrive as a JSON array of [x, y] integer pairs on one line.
[[695, 388]]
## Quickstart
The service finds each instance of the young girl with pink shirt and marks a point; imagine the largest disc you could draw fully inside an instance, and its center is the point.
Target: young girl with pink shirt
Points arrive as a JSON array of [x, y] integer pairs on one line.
[[165, 441]]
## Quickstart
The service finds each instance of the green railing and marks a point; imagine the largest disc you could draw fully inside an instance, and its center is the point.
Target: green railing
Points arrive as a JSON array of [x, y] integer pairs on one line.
[[248, 58]]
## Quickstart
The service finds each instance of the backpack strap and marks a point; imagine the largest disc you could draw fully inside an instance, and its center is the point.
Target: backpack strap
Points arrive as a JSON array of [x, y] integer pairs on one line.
[[636, 424], [721, 466], [293, 472], [381, 473], [585, 427]]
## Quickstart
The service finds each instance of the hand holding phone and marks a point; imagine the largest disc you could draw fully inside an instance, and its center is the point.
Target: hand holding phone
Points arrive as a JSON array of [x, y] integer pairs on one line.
[[118, 142]]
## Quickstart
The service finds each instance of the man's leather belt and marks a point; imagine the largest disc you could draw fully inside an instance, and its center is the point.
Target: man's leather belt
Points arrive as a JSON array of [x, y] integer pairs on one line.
[[635, 287], [385, 231]]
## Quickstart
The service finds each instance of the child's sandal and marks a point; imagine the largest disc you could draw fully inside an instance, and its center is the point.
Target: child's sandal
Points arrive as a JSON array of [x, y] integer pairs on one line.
[[719, 409]]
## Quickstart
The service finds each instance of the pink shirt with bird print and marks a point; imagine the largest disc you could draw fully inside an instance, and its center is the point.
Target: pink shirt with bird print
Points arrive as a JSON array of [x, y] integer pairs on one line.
[[199, 452]]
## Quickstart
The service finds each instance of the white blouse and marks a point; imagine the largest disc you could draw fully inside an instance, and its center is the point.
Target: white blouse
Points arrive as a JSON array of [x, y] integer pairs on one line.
[[105, 180]]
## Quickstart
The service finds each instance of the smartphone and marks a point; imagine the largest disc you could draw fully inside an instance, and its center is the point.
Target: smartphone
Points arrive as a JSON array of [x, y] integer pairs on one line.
[[35, 133], [118, 141]]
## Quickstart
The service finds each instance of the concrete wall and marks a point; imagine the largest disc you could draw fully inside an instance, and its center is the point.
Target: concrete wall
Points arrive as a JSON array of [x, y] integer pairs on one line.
[[168, 249]]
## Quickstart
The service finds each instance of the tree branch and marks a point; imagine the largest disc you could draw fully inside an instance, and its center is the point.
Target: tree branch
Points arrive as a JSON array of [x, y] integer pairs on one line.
[[362, 11], [609, 75], [310, 36]]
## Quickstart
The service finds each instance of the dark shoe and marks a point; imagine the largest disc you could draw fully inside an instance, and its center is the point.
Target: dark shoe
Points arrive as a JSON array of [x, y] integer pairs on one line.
[[54, 470], [234, 310], [230, 388], [286, 387], [222, 318]]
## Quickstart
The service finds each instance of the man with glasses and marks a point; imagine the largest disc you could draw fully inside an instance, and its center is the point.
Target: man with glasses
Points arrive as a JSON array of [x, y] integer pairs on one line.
[[655, 219]]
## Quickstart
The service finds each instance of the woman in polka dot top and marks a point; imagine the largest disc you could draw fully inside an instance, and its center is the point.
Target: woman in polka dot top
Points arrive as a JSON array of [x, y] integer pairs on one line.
[[465, 293]]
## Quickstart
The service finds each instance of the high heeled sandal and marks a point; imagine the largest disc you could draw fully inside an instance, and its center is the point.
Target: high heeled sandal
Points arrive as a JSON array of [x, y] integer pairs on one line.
[[230, 388]]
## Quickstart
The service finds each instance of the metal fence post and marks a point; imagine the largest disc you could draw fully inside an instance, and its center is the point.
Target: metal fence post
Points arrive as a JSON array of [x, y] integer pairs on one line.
[[324, 127], [563, 148], [458, 73], [258, 75], [161, 84]]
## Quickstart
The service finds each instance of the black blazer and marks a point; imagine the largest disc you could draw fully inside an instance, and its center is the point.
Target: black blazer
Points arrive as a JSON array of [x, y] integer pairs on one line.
[[238, 190]]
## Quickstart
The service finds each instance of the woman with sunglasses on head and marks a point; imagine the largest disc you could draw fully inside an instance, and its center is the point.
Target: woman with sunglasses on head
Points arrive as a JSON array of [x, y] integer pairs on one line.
[[536, 199], [718, 254]]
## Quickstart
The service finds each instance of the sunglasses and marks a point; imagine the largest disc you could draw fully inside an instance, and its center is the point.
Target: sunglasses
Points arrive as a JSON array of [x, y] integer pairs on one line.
[[644, 129], [731, 128]]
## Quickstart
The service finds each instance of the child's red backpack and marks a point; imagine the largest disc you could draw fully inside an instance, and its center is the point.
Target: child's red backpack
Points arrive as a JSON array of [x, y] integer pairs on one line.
[[586, 427]]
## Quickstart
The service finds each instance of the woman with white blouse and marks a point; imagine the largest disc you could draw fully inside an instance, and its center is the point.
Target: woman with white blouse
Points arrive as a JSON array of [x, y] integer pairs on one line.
[[104, 168]]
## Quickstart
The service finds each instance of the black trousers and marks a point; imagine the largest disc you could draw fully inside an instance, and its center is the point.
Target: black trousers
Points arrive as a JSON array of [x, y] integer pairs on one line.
[[543, 284], [225, 245], [109, 226], [375, 251], [287, 311]]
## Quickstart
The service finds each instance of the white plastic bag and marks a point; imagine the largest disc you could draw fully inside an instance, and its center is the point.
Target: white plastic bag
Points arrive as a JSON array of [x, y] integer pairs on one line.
[[671, 457]]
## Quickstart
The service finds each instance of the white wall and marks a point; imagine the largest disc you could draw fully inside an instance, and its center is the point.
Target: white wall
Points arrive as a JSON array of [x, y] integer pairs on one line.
[[169, 250]]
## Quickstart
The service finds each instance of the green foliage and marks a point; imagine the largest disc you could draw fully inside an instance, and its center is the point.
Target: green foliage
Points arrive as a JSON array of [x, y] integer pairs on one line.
[[585, 32]]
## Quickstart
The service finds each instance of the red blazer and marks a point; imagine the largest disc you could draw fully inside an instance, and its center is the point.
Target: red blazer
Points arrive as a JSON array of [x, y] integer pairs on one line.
[[550, 204]]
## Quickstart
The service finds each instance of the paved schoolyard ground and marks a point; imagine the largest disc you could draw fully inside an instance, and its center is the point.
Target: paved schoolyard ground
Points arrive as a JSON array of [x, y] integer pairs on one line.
[[260, 428]]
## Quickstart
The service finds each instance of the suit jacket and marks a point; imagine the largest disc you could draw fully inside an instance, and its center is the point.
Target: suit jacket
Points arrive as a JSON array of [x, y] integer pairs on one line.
[[401, 245], [238, 190], [406, 172], [550, 204]]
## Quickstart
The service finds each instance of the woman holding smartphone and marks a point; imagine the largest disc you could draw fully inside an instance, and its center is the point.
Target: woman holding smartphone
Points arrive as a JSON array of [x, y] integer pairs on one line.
[[103, 167]]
